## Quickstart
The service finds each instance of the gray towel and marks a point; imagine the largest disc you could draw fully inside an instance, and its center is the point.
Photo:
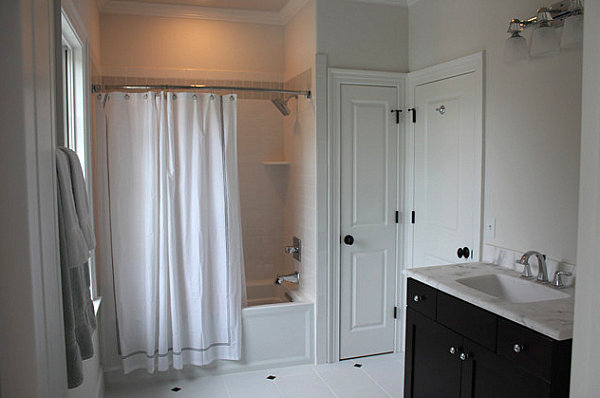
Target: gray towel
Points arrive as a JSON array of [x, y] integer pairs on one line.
[[75, 246], [80, 198], [76, 240]]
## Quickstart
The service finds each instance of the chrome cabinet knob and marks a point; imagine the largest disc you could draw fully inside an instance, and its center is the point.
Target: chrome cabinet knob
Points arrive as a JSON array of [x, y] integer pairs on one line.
[[452, 350], [464, 356], [517, 348], [416, 299]]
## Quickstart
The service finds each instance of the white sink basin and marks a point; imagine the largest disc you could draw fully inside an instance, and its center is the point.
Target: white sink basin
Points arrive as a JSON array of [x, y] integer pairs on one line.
[[512, 289]]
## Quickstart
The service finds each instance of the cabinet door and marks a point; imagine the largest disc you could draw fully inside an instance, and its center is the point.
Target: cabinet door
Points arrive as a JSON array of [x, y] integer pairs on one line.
[[486, 375], [431, 369]]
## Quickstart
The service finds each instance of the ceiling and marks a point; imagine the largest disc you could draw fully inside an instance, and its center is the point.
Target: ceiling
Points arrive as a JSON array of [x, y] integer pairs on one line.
[[256, 5]]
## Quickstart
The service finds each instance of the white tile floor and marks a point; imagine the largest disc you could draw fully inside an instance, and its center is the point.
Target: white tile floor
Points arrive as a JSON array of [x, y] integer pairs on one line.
[[377, 376]]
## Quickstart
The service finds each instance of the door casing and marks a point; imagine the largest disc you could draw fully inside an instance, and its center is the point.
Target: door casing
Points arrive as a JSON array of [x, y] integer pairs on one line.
[[337, 78], [406, 83]]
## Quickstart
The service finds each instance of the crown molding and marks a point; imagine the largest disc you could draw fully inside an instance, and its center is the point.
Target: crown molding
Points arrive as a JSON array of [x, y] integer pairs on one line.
[[206, 13], [101, 3], [291, 9], [398, 3]]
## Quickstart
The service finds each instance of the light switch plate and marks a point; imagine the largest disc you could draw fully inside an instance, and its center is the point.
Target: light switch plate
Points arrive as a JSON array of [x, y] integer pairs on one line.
[[489, 227]]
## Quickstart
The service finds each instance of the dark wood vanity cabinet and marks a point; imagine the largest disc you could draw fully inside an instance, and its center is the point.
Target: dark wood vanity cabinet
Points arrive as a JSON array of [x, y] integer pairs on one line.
[[455, 349]]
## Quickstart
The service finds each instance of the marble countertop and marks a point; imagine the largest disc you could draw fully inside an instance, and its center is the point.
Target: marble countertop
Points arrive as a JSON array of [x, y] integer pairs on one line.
[[553, 318]]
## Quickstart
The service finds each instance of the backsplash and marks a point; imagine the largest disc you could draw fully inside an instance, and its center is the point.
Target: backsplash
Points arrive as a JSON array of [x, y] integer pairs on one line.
[[507, 258]]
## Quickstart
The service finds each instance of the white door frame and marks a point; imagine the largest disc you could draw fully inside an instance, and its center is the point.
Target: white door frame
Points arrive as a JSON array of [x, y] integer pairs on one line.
[[470, 64], [336, 78]]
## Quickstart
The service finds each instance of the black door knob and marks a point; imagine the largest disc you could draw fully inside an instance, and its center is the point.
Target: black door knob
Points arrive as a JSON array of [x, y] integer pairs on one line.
[[466, 252], [459, 252], [349, 240]]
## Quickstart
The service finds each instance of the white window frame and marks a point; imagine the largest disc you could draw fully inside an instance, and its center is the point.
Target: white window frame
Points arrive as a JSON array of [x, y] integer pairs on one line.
[[77, 133]]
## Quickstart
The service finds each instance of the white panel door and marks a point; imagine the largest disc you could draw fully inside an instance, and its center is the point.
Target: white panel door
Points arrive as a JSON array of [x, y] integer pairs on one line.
[[369, 140], [447, 188]]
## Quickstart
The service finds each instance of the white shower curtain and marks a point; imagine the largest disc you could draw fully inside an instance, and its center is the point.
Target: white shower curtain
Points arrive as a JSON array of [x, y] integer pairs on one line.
[[175, 228]]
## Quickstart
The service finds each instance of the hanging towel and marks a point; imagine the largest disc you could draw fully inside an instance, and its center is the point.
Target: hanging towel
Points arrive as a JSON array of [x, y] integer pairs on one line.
[[80, 197], [76, 238]]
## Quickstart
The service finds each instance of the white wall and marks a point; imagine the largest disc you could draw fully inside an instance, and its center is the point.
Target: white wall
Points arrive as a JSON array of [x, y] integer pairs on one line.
[[300, 41], [143, 46], [532, 121], [32, 352], [363, 35], [586, 351]]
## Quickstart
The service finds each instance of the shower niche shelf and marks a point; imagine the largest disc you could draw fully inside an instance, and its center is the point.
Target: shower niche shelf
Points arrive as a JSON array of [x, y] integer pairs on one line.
[[276, 163]]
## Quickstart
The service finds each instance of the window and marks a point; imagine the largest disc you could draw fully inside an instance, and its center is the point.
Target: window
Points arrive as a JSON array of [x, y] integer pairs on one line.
[[77, 132]]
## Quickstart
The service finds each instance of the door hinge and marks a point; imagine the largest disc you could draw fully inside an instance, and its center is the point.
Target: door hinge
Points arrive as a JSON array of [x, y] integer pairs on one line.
[[397, 111], [412, 217], [397, 216], [414, 114], [395, 312]]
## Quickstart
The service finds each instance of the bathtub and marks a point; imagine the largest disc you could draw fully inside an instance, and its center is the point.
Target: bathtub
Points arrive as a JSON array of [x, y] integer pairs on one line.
[[263, 292], [277, 331]]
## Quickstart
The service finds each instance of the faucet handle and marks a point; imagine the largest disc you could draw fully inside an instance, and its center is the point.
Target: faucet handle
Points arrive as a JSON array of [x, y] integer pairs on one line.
[[558, 282], [527, 274]]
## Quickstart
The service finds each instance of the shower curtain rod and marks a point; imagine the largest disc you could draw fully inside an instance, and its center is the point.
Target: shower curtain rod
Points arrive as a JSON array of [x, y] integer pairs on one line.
[[99, 87]]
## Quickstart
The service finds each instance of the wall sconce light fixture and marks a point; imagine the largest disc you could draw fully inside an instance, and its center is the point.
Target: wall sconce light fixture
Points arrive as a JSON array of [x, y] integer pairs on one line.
[[545, 39]]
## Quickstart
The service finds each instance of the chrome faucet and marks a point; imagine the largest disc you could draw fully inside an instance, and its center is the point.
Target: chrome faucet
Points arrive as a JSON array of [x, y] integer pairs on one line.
[[293, 278], [542, 275]]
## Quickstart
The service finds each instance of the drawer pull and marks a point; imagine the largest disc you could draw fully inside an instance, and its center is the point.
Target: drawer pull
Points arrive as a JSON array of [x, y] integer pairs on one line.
[[416, 299], [518, 348], [452, 350], [464, 356]]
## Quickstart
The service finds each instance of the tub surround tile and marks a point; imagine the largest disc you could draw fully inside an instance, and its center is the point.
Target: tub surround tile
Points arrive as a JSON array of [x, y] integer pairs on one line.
[[299, 210], [262, 190], [553, 318]]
